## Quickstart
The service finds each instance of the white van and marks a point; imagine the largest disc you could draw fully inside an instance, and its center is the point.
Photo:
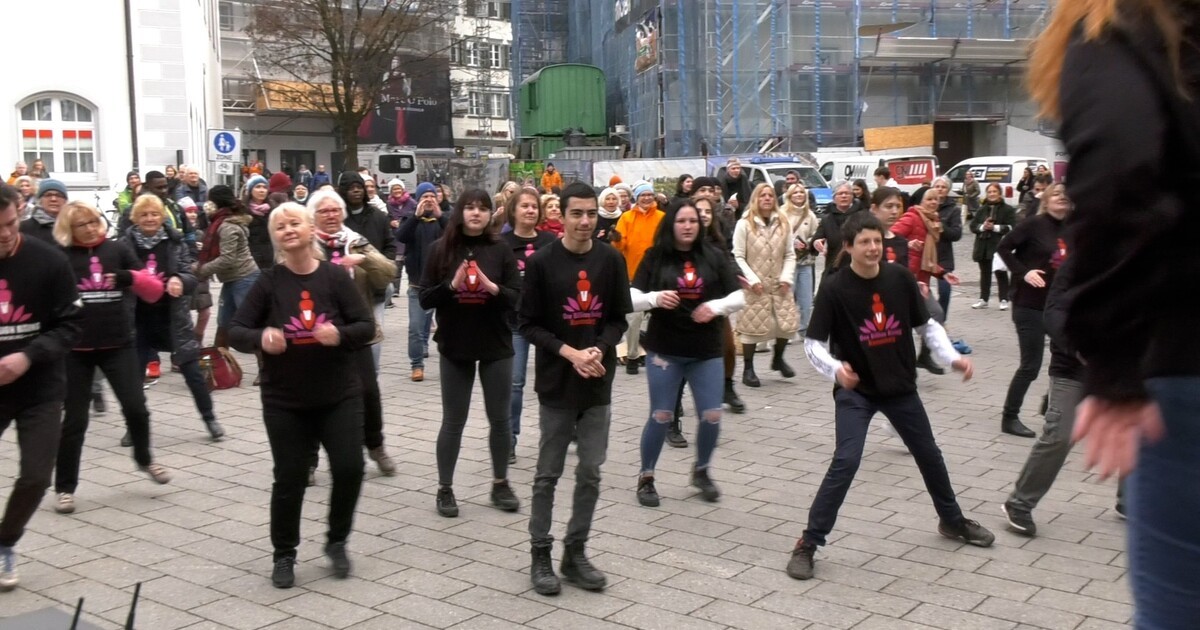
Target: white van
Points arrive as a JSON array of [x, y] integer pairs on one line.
[[1005, 170], [909, 171]]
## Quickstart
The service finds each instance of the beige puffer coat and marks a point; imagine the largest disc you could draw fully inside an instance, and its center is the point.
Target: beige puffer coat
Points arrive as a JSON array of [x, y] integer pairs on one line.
[[765, 255]]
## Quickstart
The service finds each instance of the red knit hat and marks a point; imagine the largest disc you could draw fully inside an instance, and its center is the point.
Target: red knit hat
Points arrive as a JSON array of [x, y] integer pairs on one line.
[[614, 180], [279, 183]]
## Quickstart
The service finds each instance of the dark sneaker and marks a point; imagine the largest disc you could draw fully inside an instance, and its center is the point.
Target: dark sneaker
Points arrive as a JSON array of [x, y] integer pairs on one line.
[[446, 505], [800, 566], [1120, 508], [578, 570], [631, 367], [284, 575], [675, 435], [708, 489], [336, 552], [968, 531], [126, 440], [646, 494], [1019, 521], [381, 458], [215, 430], [503, 497]]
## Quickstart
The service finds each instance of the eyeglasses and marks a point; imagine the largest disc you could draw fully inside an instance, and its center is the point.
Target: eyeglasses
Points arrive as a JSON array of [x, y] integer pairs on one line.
[[86, 224], [54, 193]]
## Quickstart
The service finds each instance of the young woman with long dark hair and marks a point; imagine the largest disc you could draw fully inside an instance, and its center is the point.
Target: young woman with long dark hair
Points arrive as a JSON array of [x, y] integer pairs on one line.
[[690, 286], [472, 280]]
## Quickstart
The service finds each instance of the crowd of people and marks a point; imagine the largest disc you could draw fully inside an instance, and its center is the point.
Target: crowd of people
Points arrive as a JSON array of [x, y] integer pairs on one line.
[[678, 283]]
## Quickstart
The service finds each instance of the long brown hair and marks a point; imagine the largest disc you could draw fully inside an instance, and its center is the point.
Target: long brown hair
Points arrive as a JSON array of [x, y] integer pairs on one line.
[[1096, 17]]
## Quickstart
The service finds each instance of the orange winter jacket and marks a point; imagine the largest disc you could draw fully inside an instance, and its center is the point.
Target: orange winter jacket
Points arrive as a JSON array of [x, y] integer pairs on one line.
[[637, 230], [550, 181]]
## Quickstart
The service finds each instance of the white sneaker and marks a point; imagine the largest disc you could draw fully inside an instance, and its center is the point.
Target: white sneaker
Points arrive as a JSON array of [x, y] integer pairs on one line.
[[8, 569], [981, 304], [65, 504], [1004, 305]]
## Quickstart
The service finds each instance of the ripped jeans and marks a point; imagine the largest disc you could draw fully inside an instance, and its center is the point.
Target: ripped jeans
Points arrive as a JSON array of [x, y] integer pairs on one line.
[[665, 374]]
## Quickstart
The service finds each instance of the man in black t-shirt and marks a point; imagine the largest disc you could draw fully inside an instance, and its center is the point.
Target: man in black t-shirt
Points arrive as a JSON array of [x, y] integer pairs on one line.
[[574, 300], [39, 314], [865, 316]]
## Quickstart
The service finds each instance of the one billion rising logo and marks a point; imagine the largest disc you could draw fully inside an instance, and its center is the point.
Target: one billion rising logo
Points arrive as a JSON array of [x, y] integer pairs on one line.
[[583, 309], [881, 329]]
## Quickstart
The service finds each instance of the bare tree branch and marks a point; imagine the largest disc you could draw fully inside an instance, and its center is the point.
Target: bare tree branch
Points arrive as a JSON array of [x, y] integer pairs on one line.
[[337, 56]]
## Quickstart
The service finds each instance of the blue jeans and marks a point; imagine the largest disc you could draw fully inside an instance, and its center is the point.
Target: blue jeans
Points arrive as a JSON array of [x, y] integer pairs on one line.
[[802, 288], [419, 321], [944, 296], [1163, 495], [519, 370], [665, 375], [232, 295]]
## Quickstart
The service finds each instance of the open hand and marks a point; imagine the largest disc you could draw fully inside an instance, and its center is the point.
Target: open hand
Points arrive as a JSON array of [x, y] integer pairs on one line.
[[1036, 278], [1114, 432]]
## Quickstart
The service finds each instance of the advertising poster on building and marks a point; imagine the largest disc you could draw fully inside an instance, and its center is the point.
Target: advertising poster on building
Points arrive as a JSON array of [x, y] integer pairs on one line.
[[646, 40], [414, 109]]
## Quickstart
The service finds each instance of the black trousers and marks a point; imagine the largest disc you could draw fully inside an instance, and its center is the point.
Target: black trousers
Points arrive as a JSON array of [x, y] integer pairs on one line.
[[372, 405], [985, 281], [852, 418], [124, 373], [39, 427], [293, 434], [1031, 340], [458, 379]]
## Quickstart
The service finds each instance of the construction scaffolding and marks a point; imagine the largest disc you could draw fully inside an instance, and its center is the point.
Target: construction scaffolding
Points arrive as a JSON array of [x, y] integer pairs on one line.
[[539, 40], [731, 76]]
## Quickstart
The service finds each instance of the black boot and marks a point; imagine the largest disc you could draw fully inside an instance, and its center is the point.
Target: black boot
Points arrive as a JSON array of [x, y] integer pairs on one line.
[[1014, 426], [541, 572], [732, 399], [578, 570], [675, 434], [778, 363], [926, 362], [749, 378]]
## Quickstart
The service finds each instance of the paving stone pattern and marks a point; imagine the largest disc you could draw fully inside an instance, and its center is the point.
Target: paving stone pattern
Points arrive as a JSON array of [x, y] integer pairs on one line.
[[200, 545]]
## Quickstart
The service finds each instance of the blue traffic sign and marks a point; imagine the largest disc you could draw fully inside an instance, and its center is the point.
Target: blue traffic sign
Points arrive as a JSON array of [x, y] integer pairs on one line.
[[224, 142]]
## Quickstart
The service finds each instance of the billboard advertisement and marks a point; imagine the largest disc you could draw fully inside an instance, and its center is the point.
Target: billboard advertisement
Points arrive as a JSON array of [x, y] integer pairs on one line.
[[646, 40], [414, 108]]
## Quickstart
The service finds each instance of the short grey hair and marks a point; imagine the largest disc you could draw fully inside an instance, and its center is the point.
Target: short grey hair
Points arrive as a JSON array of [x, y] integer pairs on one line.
[[320, 197], [845, 183], [945, 180]]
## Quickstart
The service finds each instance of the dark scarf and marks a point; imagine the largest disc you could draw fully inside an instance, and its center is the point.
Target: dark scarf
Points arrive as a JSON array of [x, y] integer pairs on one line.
[[212, 239], [148, 242]]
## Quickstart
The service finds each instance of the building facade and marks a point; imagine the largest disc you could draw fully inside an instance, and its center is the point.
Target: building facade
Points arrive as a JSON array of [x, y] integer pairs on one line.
[[480, 78], [89, 116], [688, 77]]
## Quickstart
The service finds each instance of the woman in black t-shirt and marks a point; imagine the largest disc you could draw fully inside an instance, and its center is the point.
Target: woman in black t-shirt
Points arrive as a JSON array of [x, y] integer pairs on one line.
[[473, 282], [523, 214], [690, 286], [308, 320]]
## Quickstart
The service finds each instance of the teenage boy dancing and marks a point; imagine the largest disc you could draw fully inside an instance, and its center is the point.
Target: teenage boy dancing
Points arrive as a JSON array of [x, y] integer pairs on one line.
[[865, 316], [573, 306]]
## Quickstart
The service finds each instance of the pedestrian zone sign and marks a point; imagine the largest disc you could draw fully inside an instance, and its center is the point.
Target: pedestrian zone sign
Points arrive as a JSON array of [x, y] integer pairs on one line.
[[224, 145]]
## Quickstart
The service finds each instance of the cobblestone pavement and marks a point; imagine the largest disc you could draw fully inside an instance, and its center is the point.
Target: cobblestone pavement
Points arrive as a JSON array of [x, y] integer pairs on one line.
[[200, 545]]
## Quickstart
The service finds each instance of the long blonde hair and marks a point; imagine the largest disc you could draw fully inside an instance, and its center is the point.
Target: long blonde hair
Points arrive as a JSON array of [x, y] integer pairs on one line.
[[752, 209], [798, 213], [1096, 17]]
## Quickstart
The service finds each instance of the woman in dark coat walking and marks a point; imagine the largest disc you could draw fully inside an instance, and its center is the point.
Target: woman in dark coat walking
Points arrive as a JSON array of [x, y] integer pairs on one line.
[[167, 323]]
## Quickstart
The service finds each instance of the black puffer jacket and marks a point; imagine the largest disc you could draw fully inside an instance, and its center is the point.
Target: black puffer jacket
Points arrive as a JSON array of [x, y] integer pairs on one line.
[[168, 323], [261, 247]]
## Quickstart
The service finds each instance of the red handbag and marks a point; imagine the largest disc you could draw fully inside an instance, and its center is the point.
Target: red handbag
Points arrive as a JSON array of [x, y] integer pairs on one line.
[[220, 368]]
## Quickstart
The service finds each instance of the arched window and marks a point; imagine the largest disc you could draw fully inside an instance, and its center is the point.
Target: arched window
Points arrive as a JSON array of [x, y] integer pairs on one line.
[[60, 131]]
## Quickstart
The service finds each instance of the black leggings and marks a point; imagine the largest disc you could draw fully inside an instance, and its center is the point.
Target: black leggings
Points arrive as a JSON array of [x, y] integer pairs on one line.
[[293, 433], [1031, 341], [458, 379], [123, 371], [985, 281]]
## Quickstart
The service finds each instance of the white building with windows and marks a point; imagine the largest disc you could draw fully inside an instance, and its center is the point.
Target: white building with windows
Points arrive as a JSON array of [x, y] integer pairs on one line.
[[87, 114], [480, 83]]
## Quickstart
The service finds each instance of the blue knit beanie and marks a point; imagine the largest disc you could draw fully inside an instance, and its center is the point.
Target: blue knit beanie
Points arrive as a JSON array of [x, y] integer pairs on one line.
[[255, 180], [50, 184], [425, 188], [642, 189]]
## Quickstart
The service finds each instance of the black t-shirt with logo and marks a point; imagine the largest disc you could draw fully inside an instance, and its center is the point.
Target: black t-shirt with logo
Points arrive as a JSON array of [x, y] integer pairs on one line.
[[696, 279], [579, 300], [522, 249], [895, 250], [868, 323], [307, 374]]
